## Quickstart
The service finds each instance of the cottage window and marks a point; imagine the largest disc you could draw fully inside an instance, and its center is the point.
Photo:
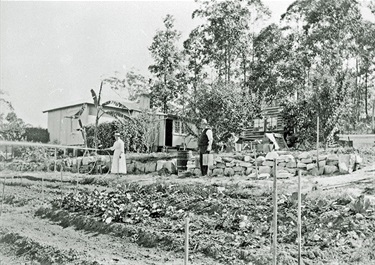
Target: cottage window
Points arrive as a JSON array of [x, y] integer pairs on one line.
[[176, 126], [272, 123], [258, 124]]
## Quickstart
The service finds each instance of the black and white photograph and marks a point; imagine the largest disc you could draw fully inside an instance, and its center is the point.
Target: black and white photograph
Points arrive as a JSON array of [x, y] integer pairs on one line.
[[187, 132]]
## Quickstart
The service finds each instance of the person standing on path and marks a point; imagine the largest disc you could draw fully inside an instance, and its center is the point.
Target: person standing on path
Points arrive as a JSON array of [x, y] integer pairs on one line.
[[118, 160], [205, 144]]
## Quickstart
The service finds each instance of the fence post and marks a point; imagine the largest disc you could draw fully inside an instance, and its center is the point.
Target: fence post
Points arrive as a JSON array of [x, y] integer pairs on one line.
[[274, 250], [317, 142], [255, 163], [299, 222], [3, 196], [42, 189], [61, 183], [55, 159], [186, 258]]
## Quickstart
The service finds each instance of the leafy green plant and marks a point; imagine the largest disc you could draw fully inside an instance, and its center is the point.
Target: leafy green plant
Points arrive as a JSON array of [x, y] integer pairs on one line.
[[360, 205]]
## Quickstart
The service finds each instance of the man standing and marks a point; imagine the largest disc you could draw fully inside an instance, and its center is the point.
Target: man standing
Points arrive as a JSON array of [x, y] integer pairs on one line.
[[204, 144], [118, 161]]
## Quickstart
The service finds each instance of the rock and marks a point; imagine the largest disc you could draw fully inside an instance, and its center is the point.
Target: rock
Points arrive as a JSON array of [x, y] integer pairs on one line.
[[218, 159], [272, 155], [217, 172], [264, 176], [171, 166], [268, 163], [227, 159], [252, 176], [245, 164], [322, 164], [260, 159], [329, 169], [231, 164], [310, 166], [238, 169], [343, 169], [332, 162], [332, 157], [246, 158], [264, 169], [348, 160], [307, 161], [321, 170], [160, 164], [220, 165], [291, 164], [284, 175], [140, 167], [286, 158], [282, 164], [314, 172], [292, 171], [301, 165], [228, 172], [322, 157], [304, 155], [150, 167], [248, 171], [358, 159], [282, 170]]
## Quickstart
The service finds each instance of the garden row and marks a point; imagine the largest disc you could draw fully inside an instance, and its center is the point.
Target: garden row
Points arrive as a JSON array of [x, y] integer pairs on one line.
[[231, 225]]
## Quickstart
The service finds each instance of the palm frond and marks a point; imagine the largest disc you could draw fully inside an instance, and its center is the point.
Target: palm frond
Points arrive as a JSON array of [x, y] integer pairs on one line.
[[118, 114], [115, 103], [94, 97]]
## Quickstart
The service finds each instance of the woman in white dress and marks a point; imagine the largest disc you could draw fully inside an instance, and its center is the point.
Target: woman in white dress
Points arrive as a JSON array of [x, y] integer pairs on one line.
[[118, 161]]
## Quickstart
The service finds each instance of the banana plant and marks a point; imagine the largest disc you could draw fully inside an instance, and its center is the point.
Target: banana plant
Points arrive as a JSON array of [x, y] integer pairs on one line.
[[100, 107]]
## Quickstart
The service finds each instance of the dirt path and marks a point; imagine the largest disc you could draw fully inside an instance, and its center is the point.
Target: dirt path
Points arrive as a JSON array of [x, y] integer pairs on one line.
[[28, 239]]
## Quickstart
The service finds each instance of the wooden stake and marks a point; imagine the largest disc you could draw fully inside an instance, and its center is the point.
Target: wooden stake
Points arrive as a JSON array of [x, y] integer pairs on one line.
[[3, 196], [299, 222], [55, 159], [255, 159], [186, 259], [42, 188], [373, 116], [61, 183], [317, 142], [274, 249]]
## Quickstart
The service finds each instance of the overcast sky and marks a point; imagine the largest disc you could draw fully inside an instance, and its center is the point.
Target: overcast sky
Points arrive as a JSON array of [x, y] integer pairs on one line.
[[53, 53]]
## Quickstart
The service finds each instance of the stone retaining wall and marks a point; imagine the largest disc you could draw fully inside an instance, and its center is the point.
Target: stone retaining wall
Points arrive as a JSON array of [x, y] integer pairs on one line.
[[288, 164]]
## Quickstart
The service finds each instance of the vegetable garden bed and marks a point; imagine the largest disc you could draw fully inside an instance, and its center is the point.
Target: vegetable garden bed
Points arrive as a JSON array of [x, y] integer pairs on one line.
[[227, 224]]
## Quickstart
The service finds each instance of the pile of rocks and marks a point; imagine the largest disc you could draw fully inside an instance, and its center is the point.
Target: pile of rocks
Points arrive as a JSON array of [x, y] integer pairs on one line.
[[287, 164]]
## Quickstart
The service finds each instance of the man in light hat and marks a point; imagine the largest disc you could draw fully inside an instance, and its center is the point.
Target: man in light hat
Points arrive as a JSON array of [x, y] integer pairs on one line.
[[118, 161], [205, 144]]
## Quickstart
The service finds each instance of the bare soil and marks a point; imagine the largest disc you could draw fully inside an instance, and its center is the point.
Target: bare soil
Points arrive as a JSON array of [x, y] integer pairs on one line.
[[27, 238]]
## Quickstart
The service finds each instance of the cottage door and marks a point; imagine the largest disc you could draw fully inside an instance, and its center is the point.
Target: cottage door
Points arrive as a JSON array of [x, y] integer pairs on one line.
[[168, 132]]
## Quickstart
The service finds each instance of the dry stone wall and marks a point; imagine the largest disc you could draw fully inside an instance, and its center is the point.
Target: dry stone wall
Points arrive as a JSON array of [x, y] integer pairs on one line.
[[288, 164]]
